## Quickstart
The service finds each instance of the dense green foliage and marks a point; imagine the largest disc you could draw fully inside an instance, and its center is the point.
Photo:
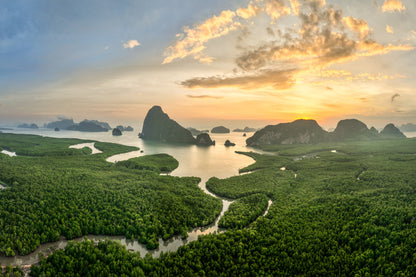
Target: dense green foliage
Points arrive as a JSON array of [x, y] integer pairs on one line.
[[244, 211], [31, 145], [334, 214], [158, 163], [9, 271], [58, 195]]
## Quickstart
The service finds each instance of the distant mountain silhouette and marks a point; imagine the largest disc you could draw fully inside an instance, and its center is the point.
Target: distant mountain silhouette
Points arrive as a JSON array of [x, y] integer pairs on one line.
[[298, 131], [158, 126], [409, 127], [29, 126], [352, 129], [90, 126], [391, 131], [62, 124], [245, 130], [220, 130], [308, 131], [125, 129]]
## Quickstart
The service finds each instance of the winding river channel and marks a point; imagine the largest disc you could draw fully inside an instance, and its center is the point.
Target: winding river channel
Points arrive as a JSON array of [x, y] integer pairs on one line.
[[204, 162]]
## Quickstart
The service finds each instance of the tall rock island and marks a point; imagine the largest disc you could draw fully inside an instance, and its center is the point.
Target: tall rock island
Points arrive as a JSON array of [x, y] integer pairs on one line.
[[158, 126]]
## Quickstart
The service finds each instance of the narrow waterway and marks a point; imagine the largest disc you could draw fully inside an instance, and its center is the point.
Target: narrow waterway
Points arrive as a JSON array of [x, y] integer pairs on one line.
[[169, 245]]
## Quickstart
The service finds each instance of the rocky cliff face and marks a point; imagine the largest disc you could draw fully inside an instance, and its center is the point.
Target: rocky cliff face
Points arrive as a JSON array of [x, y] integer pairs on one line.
[[391, 131], [159, 127], [299, 131]]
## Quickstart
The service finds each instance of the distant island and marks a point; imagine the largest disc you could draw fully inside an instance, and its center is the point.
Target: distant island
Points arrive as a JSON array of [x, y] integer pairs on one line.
[[409, 127], [116, 132], [90, 126], [203, 139], [28, 126], [245, 130], [220, 130], [84, 126], [125, 129], [62, 124], [304, 131], [228, 143], [158, 126]]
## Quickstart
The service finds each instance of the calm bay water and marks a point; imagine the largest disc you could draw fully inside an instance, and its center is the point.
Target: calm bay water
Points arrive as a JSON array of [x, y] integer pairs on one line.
[[203, 162]]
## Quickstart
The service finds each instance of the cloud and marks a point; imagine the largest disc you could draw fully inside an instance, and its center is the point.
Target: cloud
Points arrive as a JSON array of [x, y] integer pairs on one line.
[[131, 44], [357, 25], [106, 47], [251, 11], [322, 40], [392, 6], [389, 29], [276, 9], [204, 97], [336, 75], [192, 40], [294, 4], [277, 79], [394, 97], [322, 37]]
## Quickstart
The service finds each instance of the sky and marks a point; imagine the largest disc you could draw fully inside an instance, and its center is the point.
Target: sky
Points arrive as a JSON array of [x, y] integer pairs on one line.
[[241, 63]]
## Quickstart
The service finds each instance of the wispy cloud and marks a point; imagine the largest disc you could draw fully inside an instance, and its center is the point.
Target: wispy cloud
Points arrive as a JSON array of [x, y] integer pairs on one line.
[[131, 44], [392, 6], [277, 79], [204, 96], [389, 29], [337, 75], [191, 41]]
